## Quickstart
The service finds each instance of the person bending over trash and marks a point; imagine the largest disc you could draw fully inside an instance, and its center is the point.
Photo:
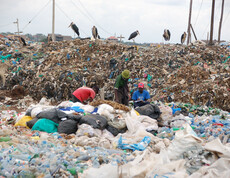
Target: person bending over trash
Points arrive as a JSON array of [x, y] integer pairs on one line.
[[121, 88], [140, 96], [84, 94]]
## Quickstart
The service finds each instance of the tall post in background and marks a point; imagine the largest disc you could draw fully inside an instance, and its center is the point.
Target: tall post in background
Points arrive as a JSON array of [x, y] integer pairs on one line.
[[189, 22], [17, 26], [53, 21], [212, 23], [221, 18]]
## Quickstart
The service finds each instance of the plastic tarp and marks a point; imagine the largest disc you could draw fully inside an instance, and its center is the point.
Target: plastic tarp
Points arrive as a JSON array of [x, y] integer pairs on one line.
[[45, 125]]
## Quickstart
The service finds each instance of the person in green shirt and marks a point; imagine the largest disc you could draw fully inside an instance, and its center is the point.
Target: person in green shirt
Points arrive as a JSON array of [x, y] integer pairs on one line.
[[121, 88]]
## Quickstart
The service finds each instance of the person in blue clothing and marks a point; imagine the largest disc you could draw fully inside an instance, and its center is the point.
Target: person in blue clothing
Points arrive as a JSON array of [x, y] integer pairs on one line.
[[140, 97]]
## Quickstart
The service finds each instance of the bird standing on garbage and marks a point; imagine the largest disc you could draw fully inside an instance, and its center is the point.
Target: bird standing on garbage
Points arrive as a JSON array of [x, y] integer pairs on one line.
[[183, 37], [95, 33], [166, 35], [75, 28], [133, 35], [22, 40]]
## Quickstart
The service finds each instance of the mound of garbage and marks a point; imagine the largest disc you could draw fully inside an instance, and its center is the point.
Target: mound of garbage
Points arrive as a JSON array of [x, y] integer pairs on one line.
[[183, 132], [72, 139], [195, 74]]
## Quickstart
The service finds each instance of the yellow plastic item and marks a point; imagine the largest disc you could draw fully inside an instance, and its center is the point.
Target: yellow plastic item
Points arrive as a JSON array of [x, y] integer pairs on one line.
[[137, 113], [36, 137], [22, 121]]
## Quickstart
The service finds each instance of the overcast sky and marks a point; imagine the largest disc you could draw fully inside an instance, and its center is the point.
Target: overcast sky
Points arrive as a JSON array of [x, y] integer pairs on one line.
[[120, 17]]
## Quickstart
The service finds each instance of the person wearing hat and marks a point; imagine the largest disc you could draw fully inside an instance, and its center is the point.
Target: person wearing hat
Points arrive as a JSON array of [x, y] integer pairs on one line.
[[141, 96], [121, 88]]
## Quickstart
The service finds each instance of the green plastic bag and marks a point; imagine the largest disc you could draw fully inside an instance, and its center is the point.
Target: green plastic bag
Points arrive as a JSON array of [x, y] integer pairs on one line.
[[45, 125]]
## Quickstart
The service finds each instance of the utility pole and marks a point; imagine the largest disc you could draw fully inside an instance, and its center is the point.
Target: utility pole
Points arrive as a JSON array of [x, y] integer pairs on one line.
[[17, 26], [212, 23], [120, 37], [221, 18], [189, 23], [193, 32], [53, 37]]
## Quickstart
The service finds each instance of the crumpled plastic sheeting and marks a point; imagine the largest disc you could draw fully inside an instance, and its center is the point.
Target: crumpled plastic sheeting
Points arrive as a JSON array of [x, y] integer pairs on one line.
[[220, 168], [114, 117], [87, 130], [184, 140], [217, 147], [105, 171], [151, 165]]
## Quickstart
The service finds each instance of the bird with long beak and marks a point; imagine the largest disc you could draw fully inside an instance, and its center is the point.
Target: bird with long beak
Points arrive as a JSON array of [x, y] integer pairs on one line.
[[75, 28], [133, 35], [95, 33], [183, 37], [166, 35]]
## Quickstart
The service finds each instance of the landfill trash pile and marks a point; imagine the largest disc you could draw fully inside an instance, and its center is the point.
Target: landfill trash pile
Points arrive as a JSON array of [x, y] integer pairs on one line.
[[72, 139], [195, 74], [183, 132]]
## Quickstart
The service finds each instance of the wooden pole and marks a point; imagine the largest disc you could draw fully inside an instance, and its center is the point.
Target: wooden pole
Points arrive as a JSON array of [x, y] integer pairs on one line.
[[53, 21], [17, 22], [221, 18], [189, 23], [120, 37], [193, 32], [212, 23]]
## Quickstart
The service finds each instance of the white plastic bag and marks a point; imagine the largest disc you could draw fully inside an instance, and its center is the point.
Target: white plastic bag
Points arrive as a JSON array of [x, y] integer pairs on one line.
[[86, 108], [105, 171], [184, 140], [87, 130], [166, 112], [66, 104]]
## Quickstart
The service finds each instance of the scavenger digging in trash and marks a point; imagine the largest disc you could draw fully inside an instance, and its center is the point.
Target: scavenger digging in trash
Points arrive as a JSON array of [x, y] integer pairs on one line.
[[141, 97], [121, 88], [84, 94]]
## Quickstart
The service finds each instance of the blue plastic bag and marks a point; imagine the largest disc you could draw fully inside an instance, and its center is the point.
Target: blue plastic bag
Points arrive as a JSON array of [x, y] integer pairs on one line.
[[174, 110], [75, 108], [141, 146], [68, 56]]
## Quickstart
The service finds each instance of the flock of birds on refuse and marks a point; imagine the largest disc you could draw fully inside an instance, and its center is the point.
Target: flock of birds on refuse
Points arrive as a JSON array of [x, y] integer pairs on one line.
[[133, 35]]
